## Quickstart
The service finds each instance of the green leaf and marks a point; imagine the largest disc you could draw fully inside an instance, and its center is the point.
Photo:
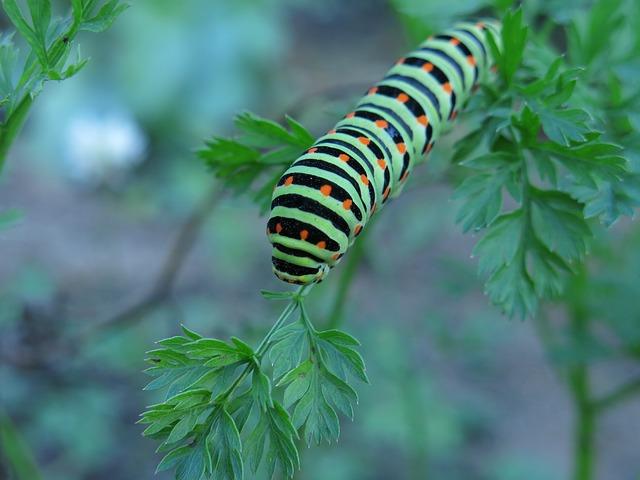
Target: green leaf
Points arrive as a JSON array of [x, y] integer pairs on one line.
[[105, 17], [501, 243], [261, 389], [511, 288], [191, 466], [224, 446], [564, 126], [275, 433], [290, 346], [559, 225], [589, 161], [482, 199], [317, 386], [514, 38], [608, 200], [271, 295], [173, 458], [258, 157], [262, 133], [40, 11], [305, 139], [33, 39]]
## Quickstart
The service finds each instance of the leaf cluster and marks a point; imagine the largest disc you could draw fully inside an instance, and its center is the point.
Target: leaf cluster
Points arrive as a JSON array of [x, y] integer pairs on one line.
[[541, 149], [255, 160], [225, 411], [50, 42]]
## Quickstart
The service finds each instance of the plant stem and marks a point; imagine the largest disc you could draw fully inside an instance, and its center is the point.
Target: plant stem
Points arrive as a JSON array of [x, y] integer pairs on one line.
[[346, 279], [619, 395], [12, 126], [264, 344], [579, 380]]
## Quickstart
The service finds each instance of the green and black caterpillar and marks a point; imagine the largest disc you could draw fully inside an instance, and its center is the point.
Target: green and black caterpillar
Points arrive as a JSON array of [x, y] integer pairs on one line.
[[327, 196]]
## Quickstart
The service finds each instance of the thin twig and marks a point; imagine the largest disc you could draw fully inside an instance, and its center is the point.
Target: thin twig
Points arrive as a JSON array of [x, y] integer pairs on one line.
[[620, 394], [346, 279], [172, 266]]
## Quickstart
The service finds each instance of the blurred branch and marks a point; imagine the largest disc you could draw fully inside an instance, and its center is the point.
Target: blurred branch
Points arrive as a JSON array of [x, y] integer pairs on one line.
[[620, 394], [172, 266], [346, 279]]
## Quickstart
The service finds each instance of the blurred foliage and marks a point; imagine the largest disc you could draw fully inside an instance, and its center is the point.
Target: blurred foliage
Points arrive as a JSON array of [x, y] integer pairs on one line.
[[49, 41]]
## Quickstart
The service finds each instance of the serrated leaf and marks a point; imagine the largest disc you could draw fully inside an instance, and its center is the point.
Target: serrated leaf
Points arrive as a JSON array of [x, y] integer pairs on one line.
[[263, 133], [482, 199], [105, 17], [271, 295], [514, 38], [558, 224], [501, 243], [274, 433], [305, 138], [564, 125], [173, 458]]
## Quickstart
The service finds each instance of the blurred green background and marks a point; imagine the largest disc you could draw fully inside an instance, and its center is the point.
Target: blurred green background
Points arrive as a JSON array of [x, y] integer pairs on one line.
[[105, 179]]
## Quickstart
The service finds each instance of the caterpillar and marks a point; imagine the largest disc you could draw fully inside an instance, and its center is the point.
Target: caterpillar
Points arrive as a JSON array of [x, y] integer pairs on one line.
[[326, 197]]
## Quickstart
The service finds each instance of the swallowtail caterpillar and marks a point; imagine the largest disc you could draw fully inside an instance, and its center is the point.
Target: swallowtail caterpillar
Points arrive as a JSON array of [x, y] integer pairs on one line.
[[326, 197]]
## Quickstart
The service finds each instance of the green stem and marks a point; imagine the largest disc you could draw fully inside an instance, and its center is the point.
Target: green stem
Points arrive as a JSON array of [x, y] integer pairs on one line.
[[264, 344], [622, 393], [10, 129], [579, 380], [356, 254]]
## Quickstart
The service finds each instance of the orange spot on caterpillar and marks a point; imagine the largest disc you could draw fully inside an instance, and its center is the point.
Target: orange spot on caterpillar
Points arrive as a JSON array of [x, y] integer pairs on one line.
[[386, 193], [404, 177], [472, 61], [357, 230], [403, 98], [312, 150], [321, 244], [335, 256], [344, 157], [480, 24], [400, 61], [423, 120], [364, 179], [375, 207], [429, 147], [455, 41], [427, 67], [447, 87], [364, 140], [382, 163], [325, 190], [278, 228], [332, 131], [373, 91], [351, 115], [289, 180], [382, 123], [304, 234], [347, 204], [401, 147]]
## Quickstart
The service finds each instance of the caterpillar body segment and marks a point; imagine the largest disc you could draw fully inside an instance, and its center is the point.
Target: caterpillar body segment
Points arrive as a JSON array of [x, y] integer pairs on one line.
[[325, 199]]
